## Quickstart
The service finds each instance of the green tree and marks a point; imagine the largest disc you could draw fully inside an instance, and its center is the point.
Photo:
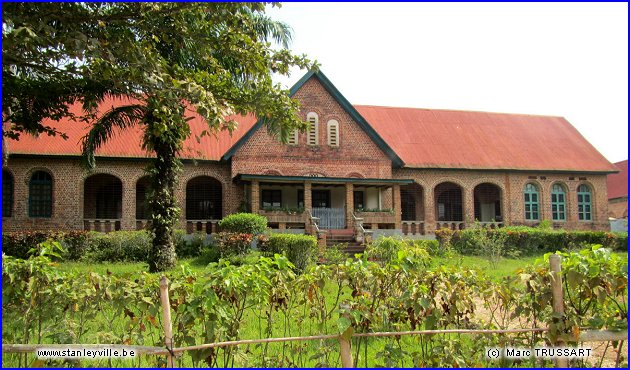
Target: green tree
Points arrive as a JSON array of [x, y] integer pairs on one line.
[[171, 59]]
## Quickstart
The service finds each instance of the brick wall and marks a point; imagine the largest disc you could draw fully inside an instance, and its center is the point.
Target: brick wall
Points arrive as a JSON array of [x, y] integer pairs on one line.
[[68, 190], [356, 153], [512, 203]]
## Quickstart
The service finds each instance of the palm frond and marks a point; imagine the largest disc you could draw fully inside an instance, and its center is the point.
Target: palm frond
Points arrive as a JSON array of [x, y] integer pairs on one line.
[[121, 117], [268, 28]]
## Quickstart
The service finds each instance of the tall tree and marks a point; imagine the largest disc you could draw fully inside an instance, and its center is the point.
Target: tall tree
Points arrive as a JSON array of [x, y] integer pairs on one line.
[[172, 59]]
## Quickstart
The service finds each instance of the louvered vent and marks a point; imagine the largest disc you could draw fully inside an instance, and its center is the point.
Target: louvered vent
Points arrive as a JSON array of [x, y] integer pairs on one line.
[[293, 138], [312, 136], [333, 133]]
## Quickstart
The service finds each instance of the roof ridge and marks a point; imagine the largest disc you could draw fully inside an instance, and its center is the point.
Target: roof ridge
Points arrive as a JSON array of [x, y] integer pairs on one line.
[[458, 111]]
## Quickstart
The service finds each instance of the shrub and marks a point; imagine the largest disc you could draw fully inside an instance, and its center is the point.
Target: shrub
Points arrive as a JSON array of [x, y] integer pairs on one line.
[[246, 223], [394, 250], [299, 249], [118, 246], [18, 244], [189, 245], [527, 240], [231, 244]]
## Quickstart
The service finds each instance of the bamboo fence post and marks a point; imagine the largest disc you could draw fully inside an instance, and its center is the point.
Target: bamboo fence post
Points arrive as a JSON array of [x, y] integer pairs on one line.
[[345, 341], [166, 316], [558, 298]]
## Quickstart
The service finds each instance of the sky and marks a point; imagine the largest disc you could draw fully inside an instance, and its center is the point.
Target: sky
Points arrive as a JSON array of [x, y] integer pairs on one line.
[[558, 59]]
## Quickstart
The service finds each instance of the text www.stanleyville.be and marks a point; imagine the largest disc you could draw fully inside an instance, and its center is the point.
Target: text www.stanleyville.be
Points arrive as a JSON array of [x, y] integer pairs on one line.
[[84, 353]]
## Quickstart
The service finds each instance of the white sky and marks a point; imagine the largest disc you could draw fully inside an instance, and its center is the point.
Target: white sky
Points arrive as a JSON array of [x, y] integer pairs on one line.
[[567, 60]]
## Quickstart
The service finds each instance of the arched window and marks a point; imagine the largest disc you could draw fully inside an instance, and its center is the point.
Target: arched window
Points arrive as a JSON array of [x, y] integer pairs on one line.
[[584, 203], [531, 202], [333, 133], [40, 195], [7, 194], [312, 137], [558, 203]]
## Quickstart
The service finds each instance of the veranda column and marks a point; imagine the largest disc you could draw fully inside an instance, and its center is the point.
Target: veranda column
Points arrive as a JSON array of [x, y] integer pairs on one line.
[[308, 206], [128, 218], [469, 206], [255, 196], [429, 211], [396, 205], [349, 205]]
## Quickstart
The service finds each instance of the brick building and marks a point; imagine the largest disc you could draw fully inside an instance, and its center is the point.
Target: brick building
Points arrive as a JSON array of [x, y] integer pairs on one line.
[[618, 191], [358, 168]]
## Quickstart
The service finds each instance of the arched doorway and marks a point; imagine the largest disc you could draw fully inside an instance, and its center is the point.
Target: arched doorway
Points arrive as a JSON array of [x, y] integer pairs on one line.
[[448, 202], [204, 199], [488, 205], [102, 202]]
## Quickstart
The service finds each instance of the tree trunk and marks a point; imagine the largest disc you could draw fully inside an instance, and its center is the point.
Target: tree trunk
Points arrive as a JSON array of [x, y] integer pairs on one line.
[[164, 210]]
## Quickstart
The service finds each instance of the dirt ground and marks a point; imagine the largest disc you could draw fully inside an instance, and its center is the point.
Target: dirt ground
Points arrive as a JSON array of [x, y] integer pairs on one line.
[[599, 349]]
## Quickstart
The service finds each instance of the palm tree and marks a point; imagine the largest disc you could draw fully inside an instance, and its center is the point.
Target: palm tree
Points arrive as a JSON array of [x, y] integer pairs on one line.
[[164, 134]]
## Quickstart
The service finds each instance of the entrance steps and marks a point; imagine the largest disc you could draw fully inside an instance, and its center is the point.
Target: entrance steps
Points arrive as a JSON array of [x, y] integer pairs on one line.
[[345, 237]]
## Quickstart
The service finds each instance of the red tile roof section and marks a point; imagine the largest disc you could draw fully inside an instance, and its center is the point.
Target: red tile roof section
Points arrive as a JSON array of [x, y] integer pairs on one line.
[[128, 144], [618, 182], [428, 138]]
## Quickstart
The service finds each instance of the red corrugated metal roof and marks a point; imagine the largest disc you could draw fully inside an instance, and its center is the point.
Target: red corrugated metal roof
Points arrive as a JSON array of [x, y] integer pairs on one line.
[[429, 138], [422, 138], [618, 182], [209, 147]]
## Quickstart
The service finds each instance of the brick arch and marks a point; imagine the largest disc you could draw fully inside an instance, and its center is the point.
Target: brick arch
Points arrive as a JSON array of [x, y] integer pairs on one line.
[[272, 173], [28, 174], [205, 172], [355, 175], [489, 181], [104, 171], [441, 180], [564, 186], [309, 173]]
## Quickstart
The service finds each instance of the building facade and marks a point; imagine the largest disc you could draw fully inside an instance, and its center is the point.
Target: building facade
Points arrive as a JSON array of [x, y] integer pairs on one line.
[[358, 168], [618, 192]]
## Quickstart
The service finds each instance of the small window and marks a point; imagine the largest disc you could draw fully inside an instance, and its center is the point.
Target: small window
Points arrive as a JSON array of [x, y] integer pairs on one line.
[[293, 138], [558, 203], [584, 203], [313, 131], [531, 203], [40, 195], [333, 133], [7, 194], [359, 199], [271, 198], [321, 198]]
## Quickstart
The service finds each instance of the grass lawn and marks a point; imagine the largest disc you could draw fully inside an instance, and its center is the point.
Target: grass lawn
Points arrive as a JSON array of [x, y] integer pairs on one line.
[[506, 267]]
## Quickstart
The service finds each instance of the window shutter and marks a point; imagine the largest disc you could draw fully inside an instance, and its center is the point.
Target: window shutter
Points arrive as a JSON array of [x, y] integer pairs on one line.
[[293, 138]]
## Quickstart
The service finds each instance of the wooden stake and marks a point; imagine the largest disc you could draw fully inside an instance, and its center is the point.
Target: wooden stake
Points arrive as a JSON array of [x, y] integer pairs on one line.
[[166, 316], [346, 352], [558, 299]]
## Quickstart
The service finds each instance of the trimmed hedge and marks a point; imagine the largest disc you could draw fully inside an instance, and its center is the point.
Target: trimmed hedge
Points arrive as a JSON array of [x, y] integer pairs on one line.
[[116, 246], [18, 244], [299, 249], [245, 223], [528, 240]]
